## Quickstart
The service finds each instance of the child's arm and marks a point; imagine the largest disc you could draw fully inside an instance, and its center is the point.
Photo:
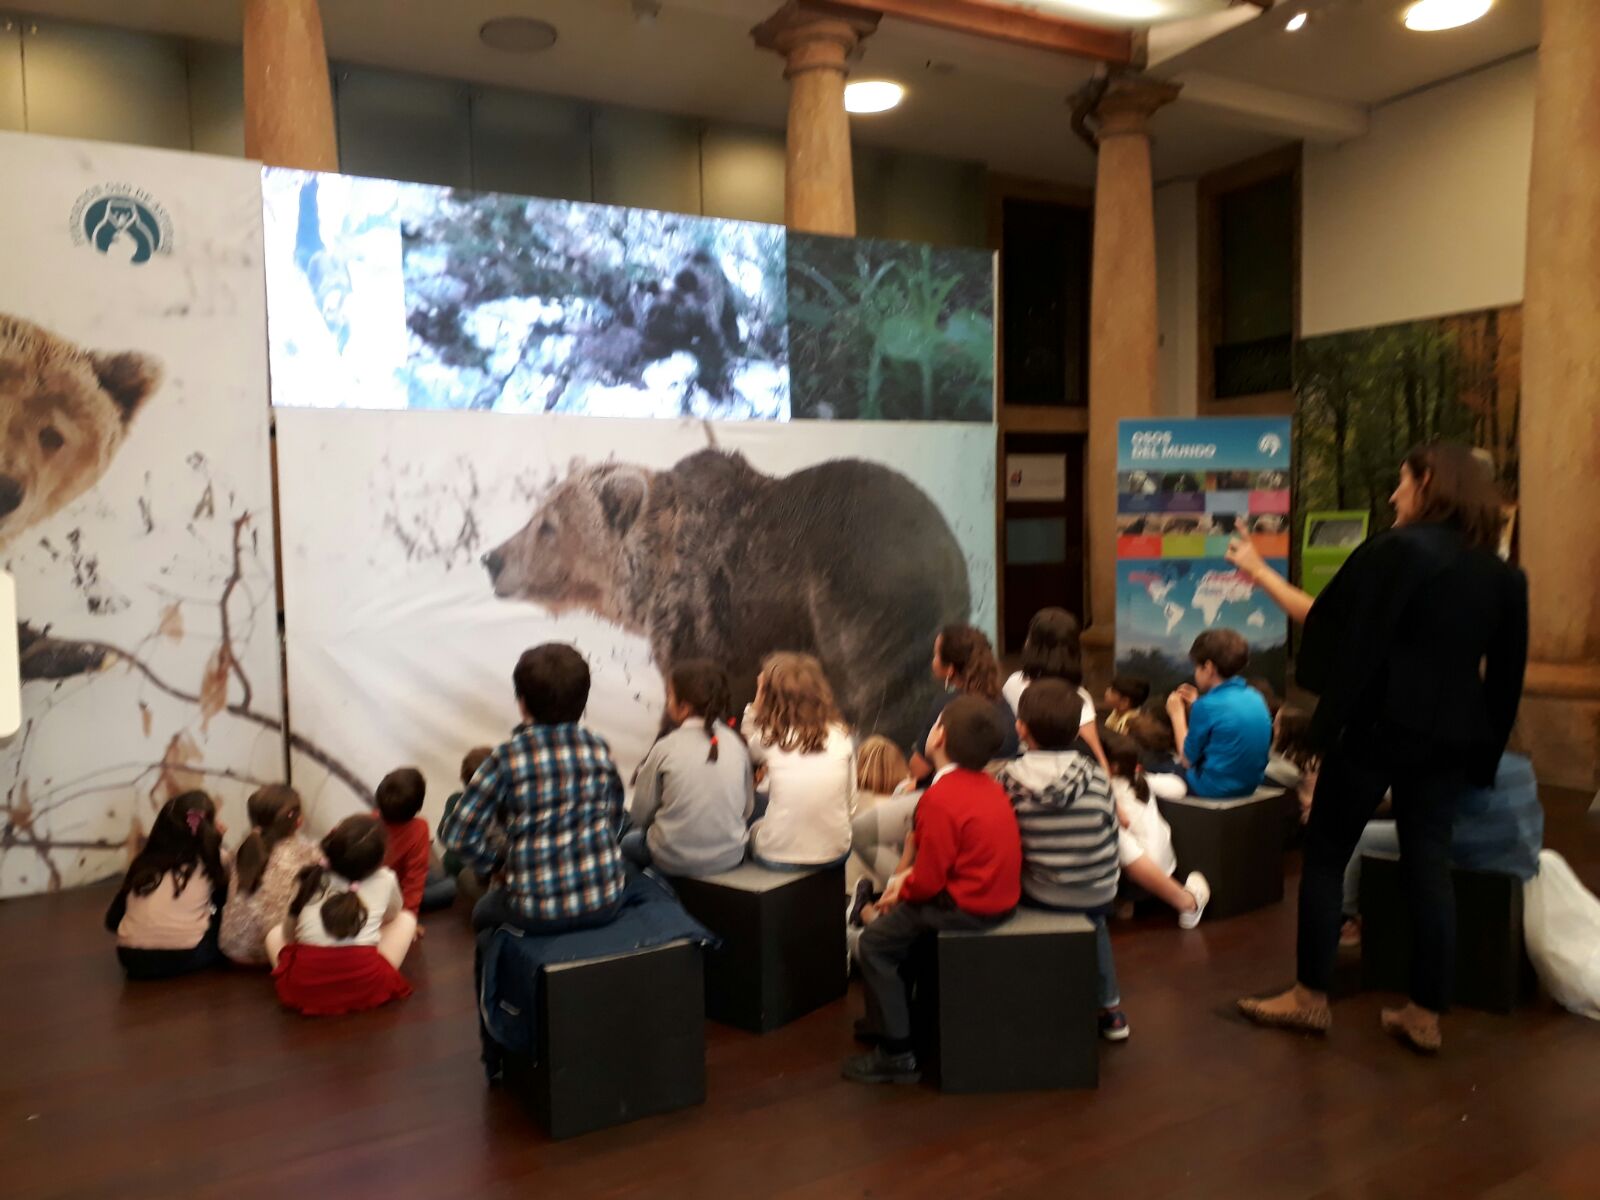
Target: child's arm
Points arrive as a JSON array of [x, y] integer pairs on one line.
[[1090, 734], [647, 790], [1184, 734], [933, 852]]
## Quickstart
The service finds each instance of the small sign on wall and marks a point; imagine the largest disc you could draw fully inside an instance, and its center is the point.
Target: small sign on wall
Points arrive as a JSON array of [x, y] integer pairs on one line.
[[1036, 477]]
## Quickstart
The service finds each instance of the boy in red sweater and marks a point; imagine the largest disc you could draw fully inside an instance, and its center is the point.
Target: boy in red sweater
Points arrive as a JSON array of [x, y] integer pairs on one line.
[[400, 795], [967, 875]]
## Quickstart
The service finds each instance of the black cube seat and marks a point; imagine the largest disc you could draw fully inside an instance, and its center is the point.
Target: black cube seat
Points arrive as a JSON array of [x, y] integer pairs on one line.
[[1493, 972], [605, 1057], [1237, 845], [783, 942], [1008, 1009]]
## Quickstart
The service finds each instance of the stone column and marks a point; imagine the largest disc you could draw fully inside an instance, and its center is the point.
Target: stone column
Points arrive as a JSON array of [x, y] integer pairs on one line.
[[1559, 519], [1124, 332], [288, 102], [816, 38]]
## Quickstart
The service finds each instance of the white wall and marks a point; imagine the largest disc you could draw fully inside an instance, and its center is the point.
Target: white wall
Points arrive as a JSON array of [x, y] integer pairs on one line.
[[1425, 215], [1177, 299]]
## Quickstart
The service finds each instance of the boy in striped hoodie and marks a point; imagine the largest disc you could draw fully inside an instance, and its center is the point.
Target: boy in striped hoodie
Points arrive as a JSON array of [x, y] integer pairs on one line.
[[1068, 820]]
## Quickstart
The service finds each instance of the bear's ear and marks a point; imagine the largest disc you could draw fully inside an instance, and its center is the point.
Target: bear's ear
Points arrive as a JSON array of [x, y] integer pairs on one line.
[[128, 378], [622, 497]]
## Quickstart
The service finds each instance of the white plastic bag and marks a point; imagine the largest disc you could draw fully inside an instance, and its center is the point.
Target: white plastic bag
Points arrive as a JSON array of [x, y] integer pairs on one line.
[[1561, 925]]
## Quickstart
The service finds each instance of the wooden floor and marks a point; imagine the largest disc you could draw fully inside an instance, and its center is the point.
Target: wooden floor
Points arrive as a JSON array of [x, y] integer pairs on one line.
[[205, 1088]]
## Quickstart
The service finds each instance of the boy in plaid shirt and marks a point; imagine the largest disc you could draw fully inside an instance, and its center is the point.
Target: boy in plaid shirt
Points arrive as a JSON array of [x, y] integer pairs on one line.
[[554, 796]]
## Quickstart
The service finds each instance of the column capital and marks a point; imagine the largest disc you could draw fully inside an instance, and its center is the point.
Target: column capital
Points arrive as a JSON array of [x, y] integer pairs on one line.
[[1127, 102], [815, 34]]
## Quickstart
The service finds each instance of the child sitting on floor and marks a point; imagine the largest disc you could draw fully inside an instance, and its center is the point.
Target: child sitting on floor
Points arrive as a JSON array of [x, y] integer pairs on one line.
[[1069, 828], [1293, 763], [694, 792], [1220, 722], [966, 876], [399, 796], [1144, 841], [348, 929], [266, 871], [554, 791], [167, 913], [799, 741], [886, 801], [1125, 697]]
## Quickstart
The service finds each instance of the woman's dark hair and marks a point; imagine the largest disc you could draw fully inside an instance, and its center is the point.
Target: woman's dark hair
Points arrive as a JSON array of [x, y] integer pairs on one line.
[[967, 650], [355, 848], [1458, 490], [703, 686], [1053, 648], [552, 681], [183, 837], [274, 813], [400, 794], [1122, 755]]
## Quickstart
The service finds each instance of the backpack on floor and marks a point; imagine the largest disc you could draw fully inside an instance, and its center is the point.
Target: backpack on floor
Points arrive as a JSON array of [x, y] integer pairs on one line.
[[1561, 926]]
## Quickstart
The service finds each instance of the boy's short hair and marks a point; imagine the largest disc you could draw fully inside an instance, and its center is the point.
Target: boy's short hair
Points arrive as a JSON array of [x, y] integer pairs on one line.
[[1135, 689], [1153, 732], [472, 760], [1225, 649], [1051, 709], [972, 733], [552, 681], [400, 795]]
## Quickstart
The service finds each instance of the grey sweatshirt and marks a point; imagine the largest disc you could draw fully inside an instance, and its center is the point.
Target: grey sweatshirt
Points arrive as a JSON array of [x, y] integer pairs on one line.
[[1069, 828], [694, 812]]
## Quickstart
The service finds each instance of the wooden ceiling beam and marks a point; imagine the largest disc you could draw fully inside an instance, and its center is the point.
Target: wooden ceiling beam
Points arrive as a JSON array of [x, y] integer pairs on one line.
[[1021, 27]]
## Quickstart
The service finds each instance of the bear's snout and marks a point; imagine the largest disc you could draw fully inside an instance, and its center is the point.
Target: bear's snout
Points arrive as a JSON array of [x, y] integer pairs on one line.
[[494, 562], [11, 495]]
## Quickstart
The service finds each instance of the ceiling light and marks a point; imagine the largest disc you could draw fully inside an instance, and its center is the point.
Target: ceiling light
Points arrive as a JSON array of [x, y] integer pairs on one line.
[[1296, 23], [522, 35], [872, 96], [1429, 16]]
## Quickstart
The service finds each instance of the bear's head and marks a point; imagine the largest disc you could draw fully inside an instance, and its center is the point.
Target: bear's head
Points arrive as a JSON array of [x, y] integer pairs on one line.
[[63, 414], [573, 553]]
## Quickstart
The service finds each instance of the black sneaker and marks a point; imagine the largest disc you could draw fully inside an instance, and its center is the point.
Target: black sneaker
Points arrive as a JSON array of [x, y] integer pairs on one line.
[[881, 1067], [1114, 1025], [863, 897], [865, 1033]]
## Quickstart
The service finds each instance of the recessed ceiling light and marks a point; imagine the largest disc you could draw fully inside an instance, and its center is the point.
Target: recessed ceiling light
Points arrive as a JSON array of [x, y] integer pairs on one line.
[[872, 96], [522, 35], [1296, 23], [1429, 16]]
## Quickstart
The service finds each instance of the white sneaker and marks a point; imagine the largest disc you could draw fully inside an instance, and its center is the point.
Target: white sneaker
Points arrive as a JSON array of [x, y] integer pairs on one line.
[[1197, 887]]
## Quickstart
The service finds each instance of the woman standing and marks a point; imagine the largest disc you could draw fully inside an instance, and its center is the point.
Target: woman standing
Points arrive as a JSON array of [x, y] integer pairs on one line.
[[1417, 650]]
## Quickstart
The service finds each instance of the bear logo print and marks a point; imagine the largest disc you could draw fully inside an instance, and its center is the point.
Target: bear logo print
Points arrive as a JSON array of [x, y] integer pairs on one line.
[[124, 224]]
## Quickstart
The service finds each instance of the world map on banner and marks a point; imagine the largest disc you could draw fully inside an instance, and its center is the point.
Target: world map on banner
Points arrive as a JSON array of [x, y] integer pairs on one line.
[[1185, 491]]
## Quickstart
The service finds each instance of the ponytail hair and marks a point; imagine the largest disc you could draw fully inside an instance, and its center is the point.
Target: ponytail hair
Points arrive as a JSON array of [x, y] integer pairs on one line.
[[274, 815], [355, 848], [183, 839], [702, 685], [966, 650], [1122, 755]]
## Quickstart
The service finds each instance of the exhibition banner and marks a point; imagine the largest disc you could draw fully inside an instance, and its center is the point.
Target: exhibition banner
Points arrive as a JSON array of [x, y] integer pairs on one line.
[[424, 551], [1185, 488], [135, 498], [409, 295]]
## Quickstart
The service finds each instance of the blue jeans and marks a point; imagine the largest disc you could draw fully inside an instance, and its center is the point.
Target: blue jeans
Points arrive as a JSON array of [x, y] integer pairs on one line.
[[495, 909]]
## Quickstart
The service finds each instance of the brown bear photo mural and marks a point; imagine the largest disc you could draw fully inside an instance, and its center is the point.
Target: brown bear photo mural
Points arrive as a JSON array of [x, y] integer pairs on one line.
[[848, 560]]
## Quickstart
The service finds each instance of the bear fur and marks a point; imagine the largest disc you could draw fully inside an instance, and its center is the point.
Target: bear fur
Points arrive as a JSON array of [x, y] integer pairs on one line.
[[64, 412], [847, 560]]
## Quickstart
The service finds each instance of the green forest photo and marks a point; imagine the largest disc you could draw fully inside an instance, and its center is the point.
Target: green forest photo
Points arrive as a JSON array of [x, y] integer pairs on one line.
[[1366, 397], [890, 331]]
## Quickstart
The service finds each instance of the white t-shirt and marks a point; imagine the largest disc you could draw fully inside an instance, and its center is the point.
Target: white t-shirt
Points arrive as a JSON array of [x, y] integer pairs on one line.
[[811, 799], [1013, 688], [379, 892]]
